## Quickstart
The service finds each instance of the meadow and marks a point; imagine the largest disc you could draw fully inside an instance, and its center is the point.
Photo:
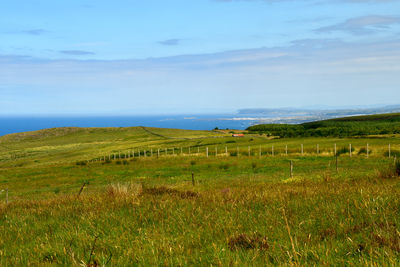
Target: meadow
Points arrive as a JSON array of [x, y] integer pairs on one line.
[[106, 197]]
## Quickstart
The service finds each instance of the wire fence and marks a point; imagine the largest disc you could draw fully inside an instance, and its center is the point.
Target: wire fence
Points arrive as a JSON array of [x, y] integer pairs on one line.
[[350, 150]]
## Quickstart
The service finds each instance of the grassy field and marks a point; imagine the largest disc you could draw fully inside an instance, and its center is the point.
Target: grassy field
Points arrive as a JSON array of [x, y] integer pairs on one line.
[[240, 209], [340, 127]]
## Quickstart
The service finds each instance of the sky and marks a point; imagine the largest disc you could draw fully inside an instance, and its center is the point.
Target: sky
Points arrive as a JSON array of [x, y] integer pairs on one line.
[[129, 57]]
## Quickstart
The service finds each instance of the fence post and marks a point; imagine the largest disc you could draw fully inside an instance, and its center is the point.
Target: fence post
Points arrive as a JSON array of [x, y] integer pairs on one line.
[[181, 151], [286, 150], [350, 150], [189, 151], [158, 153], [291, 169], [249, 151], [272, 151], [207, 152], [198, 150], [144, 153], [367, 150], [193, 182], [337, 170], [226, 150], [302, 149], [216, 151], [335, 149], [151, 152], [317, 149]]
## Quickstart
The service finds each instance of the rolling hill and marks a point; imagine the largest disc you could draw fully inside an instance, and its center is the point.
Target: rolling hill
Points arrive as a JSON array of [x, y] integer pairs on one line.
[[340, 127]]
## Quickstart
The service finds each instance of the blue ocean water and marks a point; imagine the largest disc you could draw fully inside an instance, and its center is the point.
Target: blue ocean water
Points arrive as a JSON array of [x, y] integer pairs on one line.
[[190, 122]]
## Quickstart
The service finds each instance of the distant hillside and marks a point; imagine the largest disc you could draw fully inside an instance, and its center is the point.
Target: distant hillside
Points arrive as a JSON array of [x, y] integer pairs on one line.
[[339, 127]]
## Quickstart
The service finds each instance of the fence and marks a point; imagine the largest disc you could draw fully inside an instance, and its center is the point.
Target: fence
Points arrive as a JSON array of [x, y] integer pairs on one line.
[[251, 151]]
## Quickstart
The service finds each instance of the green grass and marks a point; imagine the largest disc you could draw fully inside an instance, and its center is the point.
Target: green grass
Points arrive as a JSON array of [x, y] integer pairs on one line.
[[340, 127], [242, 210]]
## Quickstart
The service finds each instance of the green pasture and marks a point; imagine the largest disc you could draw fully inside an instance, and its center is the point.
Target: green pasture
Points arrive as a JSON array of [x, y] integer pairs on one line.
[[67, 206]]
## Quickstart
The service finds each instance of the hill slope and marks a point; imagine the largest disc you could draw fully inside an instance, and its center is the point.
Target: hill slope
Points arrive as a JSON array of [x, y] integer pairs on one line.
[[340, 127]]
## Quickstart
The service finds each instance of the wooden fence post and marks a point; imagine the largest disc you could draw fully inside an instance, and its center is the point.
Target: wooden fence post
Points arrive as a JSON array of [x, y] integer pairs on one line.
[[226, 150], [302, 149], [216, 151], [151, 152], [367, 150], [317, 149], [286, 150], [350, 150], [337, 169], [181, 151], [272, 151], [249, 151], [335, 149], [158, 152], [189, 151], [207, 152], [291, 169]]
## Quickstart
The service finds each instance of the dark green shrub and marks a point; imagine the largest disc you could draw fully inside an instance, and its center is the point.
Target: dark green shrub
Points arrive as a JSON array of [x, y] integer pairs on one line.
[[344, 150], [125, 162], [233, 154], [363, 150], [118, 162], [81, 163]]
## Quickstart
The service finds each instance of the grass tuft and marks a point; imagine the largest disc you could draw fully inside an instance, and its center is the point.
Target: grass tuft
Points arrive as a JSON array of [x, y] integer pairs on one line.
[[245, 241]]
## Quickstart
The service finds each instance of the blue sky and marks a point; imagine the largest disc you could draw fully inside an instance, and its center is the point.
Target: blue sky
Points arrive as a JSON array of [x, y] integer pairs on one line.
[[156, 57]]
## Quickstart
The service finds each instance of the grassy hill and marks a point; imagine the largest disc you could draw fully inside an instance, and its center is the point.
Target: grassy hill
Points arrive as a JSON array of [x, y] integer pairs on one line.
[[341, 127], [239, 208]]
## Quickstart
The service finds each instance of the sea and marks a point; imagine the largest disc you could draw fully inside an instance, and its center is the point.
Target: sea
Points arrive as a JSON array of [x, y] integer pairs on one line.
[[15, 124]]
